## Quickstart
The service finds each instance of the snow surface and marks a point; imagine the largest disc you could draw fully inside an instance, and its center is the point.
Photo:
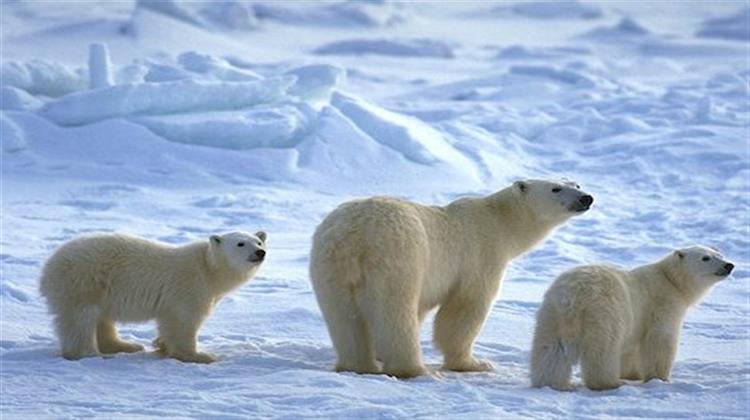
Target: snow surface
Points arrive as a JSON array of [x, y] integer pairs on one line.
[[222, 116]]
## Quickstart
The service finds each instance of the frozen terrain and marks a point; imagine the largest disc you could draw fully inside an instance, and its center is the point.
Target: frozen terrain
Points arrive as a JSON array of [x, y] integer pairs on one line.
[[215, 116]]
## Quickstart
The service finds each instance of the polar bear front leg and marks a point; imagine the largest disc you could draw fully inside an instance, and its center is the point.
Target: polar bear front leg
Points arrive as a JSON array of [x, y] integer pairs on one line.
[[658, 351], [179, 339], [630, 366], [457, 325]]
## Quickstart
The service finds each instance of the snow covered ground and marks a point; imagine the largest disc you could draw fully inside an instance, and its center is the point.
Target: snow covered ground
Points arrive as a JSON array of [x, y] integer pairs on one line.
[[265, 115]]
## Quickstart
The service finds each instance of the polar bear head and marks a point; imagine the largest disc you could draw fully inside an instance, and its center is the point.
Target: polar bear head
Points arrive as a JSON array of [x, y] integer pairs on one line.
[[695, 269], [701, 264], [552, 202], [241, 251]]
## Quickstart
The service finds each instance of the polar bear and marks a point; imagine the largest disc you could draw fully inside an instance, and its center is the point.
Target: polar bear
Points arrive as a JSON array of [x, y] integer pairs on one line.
[[94, 281], [378, 265], [620, 324]]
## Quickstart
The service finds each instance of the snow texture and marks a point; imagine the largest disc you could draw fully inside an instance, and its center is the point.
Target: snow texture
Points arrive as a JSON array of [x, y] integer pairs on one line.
[[398, 48], [736, 27], [347, 13], [266, 115]]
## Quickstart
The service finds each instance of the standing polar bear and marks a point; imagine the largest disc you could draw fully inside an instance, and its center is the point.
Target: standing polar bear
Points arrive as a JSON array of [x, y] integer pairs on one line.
[[620, 324], [92, 282], [378, 266]]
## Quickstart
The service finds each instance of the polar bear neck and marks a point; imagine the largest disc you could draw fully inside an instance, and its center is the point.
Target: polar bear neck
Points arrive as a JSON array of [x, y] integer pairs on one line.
[[680, 281], [665, 283], [518, 227]]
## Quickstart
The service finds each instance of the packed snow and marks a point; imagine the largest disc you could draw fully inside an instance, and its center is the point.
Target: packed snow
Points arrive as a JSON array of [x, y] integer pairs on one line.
[[175, 120]]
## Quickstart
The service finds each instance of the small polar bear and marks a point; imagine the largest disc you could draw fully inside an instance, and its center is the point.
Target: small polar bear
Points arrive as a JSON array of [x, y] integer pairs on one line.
[[620, 324], [379, 265], [92, 282]]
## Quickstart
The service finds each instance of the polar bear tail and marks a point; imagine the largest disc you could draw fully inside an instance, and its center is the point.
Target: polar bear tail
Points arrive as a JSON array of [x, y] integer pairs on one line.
[[552, 355]]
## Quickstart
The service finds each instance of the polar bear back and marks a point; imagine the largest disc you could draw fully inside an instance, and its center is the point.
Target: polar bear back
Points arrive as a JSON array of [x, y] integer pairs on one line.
[[128, 276], [390, 235], [596, 294]]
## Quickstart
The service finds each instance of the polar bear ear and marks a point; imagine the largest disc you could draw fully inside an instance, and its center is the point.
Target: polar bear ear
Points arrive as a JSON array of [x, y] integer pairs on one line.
[[215, 239], [679, 254], [261, 235], [521, 185]]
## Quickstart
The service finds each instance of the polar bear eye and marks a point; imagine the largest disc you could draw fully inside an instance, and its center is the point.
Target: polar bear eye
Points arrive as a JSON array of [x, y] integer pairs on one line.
[[556, 190], [241, 244], [706, 258]]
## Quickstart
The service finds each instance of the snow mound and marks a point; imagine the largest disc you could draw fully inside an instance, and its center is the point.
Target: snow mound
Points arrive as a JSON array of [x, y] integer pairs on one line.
[[411, 137], [359, 144], [627, 28], [549, 10], [16, 99], [561, 75], [275, 126], [230, 14], [172, 8], [10, 135], [419, 47], [215, 67], [40, 77], [188, 65], [315, 82], [348, 13], [163, 98], [734, 27], [222, 14], [520, 52]]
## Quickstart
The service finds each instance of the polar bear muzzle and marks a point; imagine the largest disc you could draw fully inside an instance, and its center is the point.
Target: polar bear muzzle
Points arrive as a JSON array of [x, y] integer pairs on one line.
[[583, 204], [257, 257], [725, 270]]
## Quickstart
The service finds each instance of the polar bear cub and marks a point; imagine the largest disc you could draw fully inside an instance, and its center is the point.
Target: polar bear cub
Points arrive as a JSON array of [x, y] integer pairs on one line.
[[379, 265], [92, 282], [620, 324]]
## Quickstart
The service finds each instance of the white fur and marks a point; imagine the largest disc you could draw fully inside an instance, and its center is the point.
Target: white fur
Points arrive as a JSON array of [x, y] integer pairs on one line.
[[378, 266], [620, 324], [92, 282]]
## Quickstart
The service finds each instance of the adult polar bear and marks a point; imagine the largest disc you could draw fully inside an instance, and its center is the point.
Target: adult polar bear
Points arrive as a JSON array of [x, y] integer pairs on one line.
[[378, 265], [620, 324]]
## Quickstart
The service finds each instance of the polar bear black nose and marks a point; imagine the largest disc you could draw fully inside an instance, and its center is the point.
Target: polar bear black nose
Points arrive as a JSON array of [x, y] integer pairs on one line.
[[729, 267], [586, 200], [260, 253]]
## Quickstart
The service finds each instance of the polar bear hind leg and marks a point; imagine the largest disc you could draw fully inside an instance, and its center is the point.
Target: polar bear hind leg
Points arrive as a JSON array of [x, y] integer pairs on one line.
[[347, 328], [552, 357], [76, 329], [109, 341], [601, 356], [394, 327]]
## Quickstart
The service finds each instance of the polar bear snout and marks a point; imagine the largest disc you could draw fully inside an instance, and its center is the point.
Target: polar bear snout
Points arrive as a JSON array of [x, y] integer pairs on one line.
[[583, 204], [259, 256], [725, 270]]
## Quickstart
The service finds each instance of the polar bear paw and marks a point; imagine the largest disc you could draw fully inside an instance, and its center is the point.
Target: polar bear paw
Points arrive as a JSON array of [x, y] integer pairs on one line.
[[120, 347], [469, 365], [195, 357]]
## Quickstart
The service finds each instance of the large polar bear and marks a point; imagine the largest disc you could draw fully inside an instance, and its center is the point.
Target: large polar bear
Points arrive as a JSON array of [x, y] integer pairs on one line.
[[620, 324], [92, 282], [378, 266]]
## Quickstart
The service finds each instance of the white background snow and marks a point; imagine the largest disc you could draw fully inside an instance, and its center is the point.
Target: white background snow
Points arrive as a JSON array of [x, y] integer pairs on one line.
[[252, 115]]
